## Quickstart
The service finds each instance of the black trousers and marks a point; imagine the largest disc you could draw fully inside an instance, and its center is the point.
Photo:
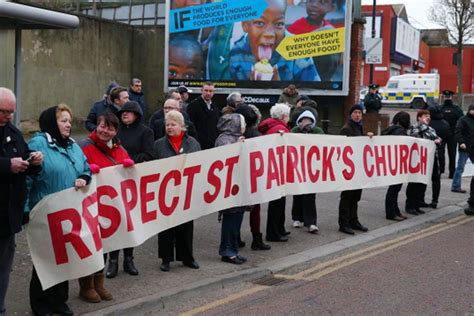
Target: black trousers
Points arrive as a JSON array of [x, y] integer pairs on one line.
[[452, 144], [348, 207], [44, 302], [127, 252], [415, 195], [180, 238], [435, 182], [276, 219], [304, 209], [470, 201], [391, 201]]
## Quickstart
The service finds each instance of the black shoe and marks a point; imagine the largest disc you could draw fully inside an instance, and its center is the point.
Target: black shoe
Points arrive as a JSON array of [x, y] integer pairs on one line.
[[358, 226], [286, 233], [411, 211], [258, 244], [458, 190], [242, 258], [395, 218], [129, 266], [420, 211], [191, 264], [63, 310], [281, 238], [434, 205], [469, 211], [112, 269], [346, 230], [165, 267], [234, 260], [241, 243], [424, 204]]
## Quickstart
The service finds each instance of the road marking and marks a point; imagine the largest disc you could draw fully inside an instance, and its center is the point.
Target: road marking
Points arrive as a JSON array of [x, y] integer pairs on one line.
[[226, 300], [328, 267]]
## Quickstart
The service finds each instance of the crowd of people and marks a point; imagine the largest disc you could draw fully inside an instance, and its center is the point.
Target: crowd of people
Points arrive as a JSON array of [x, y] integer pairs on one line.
[[52, 161]]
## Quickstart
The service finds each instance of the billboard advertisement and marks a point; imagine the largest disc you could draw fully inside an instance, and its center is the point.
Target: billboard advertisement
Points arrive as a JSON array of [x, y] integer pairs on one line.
[[261, 44]]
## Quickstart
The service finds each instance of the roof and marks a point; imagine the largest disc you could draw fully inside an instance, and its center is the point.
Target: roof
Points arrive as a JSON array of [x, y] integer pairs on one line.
[[16, 15]]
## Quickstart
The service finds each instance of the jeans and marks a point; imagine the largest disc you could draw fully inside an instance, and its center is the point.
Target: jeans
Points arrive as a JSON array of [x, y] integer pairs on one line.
[[230, 233], [7, 251], [462, 158]]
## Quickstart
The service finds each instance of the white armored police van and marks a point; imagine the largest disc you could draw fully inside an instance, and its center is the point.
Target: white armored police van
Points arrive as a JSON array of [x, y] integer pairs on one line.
[[414, 90]]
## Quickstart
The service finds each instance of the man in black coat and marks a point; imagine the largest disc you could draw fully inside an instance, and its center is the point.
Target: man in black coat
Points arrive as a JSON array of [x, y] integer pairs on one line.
[[451, 113], [348, 218], [16, 162], [465, 138], [205, 114], [158, 125], [135, 93], [372, 101]]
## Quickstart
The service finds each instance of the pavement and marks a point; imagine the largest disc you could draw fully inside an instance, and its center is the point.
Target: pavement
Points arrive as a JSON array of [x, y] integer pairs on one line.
[[152, 289]]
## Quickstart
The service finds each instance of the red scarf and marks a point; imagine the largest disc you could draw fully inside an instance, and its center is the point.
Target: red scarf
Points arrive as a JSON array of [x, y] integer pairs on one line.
[[176, 142]]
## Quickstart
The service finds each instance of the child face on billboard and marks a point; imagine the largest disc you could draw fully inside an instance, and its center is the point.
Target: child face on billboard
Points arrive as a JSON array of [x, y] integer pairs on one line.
[[185, 60], [266, 32], [317, 9]]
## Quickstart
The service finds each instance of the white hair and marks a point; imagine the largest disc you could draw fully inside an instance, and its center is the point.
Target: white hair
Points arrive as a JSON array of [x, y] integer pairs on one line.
[[231, 98], [7, 96], [279, 110]]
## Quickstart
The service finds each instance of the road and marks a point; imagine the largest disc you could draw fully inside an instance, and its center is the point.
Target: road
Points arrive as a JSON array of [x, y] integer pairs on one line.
[[427, 271]]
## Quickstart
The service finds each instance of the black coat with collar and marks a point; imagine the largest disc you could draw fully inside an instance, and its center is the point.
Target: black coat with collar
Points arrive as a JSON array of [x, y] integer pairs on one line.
[[351, 128], [13, 191], [205, 121]]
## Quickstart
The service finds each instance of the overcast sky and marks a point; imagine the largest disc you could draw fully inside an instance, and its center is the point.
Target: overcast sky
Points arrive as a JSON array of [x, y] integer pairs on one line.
[[417, 11]]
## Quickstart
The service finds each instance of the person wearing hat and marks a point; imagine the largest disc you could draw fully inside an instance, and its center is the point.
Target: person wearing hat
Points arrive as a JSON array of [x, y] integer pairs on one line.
[[348, 219], [452, 113], [399, 127], [304, 103], [184, 92], [464, 136], [372, 101], [303, 211]]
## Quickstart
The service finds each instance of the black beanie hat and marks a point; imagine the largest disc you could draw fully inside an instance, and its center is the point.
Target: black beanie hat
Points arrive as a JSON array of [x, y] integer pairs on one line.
[[356, 107], [48, 124]]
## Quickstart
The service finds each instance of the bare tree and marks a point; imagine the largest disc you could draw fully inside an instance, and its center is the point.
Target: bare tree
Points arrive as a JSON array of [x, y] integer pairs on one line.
[[456, 17]]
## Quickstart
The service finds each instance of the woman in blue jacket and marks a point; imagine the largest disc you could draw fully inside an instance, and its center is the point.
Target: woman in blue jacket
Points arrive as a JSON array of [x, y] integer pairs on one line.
[[64, 166]]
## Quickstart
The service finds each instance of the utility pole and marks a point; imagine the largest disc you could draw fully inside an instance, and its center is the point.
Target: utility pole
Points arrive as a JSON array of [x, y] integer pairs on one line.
[[371, 74]]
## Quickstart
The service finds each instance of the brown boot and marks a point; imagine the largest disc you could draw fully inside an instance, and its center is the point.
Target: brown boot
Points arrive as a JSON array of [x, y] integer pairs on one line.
[[87, 292], [99, 286]]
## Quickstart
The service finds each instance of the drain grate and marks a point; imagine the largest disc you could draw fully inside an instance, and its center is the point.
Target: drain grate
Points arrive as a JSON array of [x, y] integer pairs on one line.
[[270, 280]]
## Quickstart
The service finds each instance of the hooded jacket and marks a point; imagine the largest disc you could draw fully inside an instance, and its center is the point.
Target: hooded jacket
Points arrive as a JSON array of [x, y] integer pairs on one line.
[[272, 126], [136, 138], [311, 129], [229, 127], [100, 107], [440, 125]]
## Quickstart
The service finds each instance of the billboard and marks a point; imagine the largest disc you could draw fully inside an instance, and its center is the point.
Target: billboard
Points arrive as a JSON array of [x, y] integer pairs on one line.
[[407, 40], [261, 44]]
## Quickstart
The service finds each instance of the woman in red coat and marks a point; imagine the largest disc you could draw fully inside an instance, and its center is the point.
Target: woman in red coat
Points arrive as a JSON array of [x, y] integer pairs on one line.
[[102, 149], [277, 123]]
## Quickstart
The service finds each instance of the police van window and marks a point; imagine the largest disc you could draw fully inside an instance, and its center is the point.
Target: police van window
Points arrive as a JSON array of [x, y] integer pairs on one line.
[[392, 85]]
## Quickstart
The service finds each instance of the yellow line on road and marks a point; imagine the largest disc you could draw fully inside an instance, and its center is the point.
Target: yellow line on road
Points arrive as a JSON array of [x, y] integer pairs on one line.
[[364, 251], [226, 300], [328, 267]]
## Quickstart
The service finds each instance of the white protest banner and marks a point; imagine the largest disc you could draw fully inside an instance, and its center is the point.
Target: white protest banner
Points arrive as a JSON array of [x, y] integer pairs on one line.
[[134, 204]]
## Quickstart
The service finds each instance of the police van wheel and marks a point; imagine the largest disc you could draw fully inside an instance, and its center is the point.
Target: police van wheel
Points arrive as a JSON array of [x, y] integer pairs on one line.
[[418, 103]]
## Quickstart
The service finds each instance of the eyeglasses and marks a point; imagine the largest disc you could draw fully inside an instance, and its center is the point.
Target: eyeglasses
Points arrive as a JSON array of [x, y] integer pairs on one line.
[[7, 112]]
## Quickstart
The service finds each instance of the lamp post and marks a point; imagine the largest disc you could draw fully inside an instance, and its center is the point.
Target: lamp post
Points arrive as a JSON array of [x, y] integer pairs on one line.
[[371, 74]]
